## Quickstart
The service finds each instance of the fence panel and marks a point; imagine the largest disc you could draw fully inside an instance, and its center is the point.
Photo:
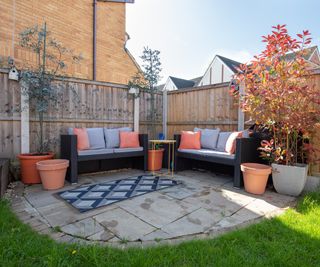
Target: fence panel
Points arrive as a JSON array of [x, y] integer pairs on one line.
[[203, 107]]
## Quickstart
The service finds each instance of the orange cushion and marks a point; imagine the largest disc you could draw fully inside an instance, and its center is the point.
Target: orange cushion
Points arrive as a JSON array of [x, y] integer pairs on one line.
[[83, 138], [190, 140], [129, 139], [231, 142]]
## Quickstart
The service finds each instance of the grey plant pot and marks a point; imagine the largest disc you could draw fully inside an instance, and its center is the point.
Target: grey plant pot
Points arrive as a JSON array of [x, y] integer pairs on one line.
[[289, 180]]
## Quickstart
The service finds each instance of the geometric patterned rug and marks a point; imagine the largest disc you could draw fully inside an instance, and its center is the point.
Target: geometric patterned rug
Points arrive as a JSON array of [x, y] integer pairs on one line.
[[88, 197]]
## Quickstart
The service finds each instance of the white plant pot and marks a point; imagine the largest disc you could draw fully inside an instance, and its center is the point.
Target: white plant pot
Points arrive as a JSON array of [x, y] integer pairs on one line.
[[289, 180]]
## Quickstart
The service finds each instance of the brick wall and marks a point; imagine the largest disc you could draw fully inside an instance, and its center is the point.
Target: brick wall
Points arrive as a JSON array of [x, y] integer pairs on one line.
[[71, 22]]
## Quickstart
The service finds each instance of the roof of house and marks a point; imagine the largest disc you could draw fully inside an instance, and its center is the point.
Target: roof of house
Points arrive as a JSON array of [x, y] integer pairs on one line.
[[232, 64], [196, 81], [182, 83], [308, 53]]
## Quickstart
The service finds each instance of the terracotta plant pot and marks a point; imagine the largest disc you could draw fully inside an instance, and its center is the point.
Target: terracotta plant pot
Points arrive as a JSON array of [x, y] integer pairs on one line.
[[155, 159], [29, 172], [53, 173], [255, 177]]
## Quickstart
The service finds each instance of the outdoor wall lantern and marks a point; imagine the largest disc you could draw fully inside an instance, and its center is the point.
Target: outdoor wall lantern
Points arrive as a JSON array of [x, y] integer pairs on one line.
[[134, 91]]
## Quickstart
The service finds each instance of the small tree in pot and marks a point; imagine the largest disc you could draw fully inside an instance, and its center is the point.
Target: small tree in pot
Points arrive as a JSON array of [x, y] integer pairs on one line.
[[147, 81], [38, 85], [279, 96]]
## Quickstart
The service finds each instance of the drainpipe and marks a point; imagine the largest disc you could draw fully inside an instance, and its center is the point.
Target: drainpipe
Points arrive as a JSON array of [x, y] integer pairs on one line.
[[94, 54]]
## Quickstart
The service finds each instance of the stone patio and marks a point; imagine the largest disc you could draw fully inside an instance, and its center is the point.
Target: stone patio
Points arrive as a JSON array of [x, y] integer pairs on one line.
[[203, 205]]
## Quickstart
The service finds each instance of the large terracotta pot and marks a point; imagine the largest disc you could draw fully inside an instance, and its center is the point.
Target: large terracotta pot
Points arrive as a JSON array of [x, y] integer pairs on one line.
[[155, 159], [255, 177], [29, 172], [289, 180], [53, 173]]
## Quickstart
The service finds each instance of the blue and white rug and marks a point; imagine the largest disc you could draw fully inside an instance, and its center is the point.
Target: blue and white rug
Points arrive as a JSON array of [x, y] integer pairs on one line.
[[88, 197]]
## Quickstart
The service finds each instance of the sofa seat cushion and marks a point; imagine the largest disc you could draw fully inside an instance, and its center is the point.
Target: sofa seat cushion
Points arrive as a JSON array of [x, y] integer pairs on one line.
[[91, 152], [131, 149], [208, 153]]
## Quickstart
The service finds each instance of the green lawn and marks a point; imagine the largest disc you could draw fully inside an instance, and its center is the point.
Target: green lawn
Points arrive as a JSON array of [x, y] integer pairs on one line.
[[292, 239]]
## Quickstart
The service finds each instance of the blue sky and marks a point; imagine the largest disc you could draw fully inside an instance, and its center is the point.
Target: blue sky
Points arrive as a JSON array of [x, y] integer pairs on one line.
[[189, 33]]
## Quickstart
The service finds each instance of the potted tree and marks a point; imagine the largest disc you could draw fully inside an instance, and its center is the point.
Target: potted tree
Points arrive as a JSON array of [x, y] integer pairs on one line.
[[38, 85], [147, 81], [279, 97]]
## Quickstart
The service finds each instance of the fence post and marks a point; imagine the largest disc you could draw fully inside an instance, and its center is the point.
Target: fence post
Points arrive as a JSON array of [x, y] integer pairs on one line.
[[240, 112], [136, 112], [165, 113], [25, 131]]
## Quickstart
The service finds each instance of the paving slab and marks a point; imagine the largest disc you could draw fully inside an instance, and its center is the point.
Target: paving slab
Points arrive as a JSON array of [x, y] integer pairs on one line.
[[220, 200], [196, 222], [61, 213], [156, 236], [157, 209], [83, 228], [103, 235], [123, 224], [181, 191]]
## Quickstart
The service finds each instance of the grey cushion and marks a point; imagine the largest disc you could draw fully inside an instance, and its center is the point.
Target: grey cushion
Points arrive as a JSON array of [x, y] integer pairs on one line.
[[96, 138], [245, 133], [208, 153], [90, 152], [70, 130], [131, 149], [196, 129], [209, 137], [222, 140], [112, 136]]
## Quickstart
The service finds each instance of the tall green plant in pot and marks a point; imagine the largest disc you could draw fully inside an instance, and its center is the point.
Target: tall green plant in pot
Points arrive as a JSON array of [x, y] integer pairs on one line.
[[147, 81], [37, 83], [279, 97]]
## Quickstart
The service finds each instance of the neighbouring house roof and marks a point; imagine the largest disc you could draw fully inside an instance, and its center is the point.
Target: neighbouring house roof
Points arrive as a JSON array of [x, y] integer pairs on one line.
[[196, 81], [160, 87], [182, 83], [307, 55], [232, 64]]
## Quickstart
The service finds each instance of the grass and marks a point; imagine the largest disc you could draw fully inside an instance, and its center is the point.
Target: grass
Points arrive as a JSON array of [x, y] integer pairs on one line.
[[292, 239]]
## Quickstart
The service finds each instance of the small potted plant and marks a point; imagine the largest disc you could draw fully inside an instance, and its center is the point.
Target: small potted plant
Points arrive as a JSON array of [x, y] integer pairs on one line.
[[155, 157], [147, 81], [279, 96], [38, 85]]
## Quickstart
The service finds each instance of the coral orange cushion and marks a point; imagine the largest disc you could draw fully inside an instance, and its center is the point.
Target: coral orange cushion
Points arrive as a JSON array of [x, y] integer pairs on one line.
[[231, 142], [83, 138], [190, 140], [129, 139]]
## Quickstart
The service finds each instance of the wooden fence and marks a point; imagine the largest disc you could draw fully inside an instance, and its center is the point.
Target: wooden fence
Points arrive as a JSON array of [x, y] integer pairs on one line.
[[204, 107], [94, 104], [81, 104]]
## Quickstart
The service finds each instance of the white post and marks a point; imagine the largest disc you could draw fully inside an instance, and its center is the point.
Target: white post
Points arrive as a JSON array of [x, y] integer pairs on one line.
[[136, 112], [25, 133], [240, 112], [165, 113]]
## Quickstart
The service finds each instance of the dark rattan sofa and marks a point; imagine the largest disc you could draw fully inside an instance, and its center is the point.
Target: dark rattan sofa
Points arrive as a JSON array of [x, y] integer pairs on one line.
[[246, 151], [103, 159]]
